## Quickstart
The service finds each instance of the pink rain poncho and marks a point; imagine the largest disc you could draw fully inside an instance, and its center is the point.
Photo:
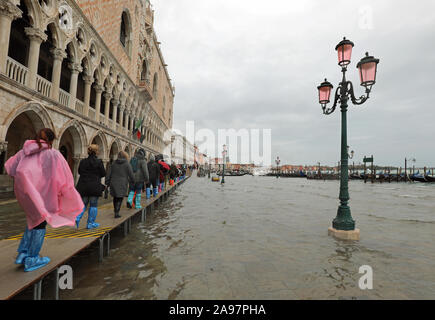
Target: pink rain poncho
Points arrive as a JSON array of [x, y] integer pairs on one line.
[[44, 186]]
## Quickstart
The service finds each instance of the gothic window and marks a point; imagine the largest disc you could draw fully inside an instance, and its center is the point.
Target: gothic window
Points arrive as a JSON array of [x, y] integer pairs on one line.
[[155, 85], [125, 32], [143, 74]]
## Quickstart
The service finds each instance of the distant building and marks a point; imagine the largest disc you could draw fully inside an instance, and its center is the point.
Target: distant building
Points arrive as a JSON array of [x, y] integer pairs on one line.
[[182, 151]]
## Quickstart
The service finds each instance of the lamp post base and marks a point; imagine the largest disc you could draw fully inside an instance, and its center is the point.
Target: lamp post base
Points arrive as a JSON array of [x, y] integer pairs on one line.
[[344, 234]]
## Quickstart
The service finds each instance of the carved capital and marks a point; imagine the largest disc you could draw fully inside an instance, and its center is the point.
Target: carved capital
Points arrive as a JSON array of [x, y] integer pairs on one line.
[[88, 79], [58, 54], [98, 88], [107, 95], [35, 34], [3, 146], [75, 67], [10, 10]]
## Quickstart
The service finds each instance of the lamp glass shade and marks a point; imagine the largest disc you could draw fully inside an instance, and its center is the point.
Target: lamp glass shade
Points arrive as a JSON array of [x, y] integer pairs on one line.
[[324, 92], [367, 68], [344, 54], [367, 73]]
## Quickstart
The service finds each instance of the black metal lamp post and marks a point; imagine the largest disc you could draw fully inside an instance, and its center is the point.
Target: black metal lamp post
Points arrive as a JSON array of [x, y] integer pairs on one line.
[[224, 155], [367, 68], [277, 161], [406, 162]]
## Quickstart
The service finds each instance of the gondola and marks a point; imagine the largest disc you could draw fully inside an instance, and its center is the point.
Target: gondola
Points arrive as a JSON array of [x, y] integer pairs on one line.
[[430, 179], [418, 177]]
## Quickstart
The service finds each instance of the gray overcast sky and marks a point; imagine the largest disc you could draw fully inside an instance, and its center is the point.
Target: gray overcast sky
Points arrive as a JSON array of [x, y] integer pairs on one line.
[[257, 64]]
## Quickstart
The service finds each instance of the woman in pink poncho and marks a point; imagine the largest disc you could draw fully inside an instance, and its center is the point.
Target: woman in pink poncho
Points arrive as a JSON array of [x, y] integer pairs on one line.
[[44, 188]]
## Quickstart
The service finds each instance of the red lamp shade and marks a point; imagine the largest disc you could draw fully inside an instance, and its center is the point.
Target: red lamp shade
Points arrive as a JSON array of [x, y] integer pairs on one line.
[[344, 50], [367, 70], [324, 92]]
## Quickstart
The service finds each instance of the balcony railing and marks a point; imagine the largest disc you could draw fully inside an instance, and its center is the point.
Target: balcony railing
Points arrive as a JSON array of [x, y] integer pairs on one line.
[[64, 98], [91, 113], [43, 86], [145, 87], [16, 71], [80, 106]]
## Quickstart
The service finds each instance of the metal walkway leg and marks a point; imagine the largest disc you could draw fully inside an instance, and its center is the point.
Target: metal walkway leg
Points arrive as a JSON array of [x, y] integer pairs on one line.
[[37, 288], [101, 251], [144, 215], [56, 284]]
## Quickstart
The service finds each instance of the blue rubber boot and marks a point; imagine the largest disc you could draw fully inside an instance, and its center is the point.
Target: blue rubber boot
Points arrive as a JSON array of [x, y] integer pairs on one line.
[[137, 202], [23, 248], [148, 193], [92, 215], [130, 199], [79, 217], [156, 191], [34, 260]]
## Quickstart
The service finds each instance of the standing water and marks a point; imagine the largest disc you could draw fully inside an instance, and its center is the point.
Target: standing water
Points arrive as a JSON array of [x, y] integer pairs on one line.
[[266, 238]]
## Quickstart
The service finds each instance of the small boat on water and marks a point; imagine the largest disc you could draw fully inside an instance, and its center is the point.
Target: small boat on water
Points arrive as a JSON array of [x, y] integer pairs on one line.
[[418, 177]]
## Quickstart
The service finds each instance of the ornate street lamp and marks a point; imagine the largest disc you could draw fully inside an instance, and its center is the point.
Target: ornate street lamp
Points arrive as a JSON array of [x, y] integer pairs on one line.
[[367, 68], [277, 161], [351, 154], [406, 172], [224, 155]]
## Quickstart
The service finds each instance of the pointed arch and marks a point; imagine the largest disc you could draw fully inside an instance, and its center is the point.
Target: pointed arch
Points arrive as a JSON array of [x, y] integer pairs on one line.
[[78, 135], [99, 138], [36, 112]]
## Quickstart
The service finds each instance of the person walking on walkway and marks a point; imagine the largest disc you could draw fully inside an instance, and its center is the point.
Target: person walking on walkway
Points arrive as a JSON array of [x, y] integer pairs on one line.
[[44, 188], [118, 177], [173, 173], [91, 170], [141, 177], [154, 172], [164, 171]]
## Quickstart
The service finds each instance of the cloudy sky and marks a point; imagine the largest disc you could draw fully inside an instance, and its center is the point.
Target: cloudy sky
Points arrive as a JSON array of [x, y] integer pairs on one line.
[[256, 64]]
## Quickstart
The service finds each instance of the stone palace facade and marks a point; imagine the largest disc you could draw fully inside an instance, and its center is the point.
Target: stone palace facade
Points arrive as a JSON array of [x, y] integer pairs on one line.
[[91, 70]]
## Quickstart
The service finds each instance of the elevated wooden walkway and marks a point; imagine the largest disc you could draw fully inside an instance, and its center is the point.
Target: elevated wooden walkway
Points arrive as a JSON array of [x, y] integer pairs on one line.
[[61, 244]]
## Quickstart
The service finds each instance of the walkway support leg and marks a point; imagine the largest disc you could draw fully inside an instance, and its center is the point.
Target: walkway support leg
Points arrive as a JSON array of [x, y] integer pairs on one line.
[[56, 284], [37, 288]]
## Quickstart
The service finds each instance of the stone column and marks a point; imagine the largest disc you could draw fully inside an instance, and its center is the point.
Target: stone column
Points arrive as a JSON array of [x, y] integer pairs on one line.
[[58, 56], [88, 82], [115, 112], [121, 118], [75, 172], [36, 37], [8, 13], [75, 70], [3, 153], [98, 90], [131, 122], [107, 97]]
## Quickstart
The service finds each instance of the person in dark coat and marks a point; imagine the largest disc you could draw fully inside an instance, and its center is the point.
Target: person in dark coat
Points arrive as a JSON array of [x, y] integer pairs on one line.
[[154, 172], [173, 172], [118, 178], [91, 170], [164, 171], [141, 177]]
